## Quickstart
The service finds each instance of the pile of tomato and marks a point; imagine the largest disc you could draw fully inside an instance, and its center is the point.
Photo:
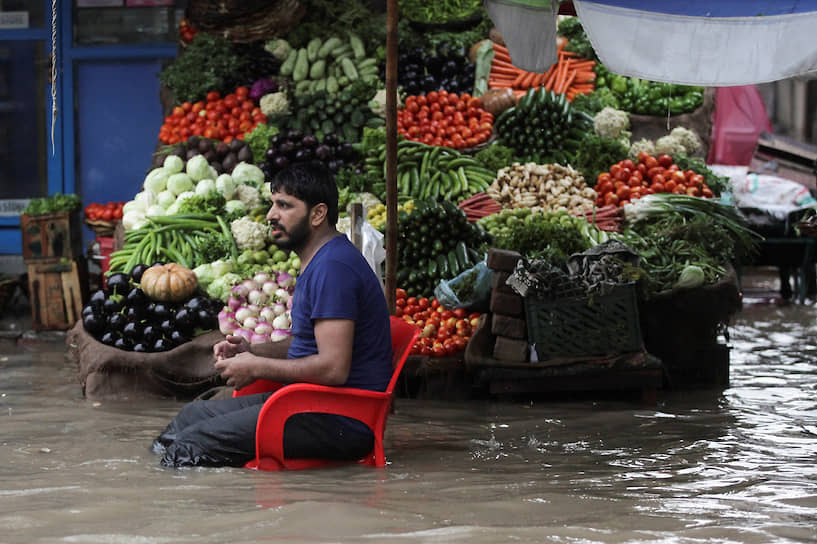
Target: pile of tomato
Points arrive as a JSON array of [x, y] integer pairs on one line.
[[186, 31], [443, 332], [111, 211], [445, 119], [627, 181], [217, 118]]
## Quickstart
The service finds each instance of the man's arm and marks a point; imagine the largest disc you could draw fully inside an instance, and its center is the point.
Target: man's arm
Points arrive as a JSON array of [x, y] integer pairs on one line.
[[330, 366]]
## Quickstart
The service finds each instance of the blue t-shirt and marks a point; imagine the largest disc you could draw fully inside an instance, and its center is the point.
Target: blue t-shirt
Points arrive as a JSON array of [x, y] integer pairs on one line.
[[338, 283]]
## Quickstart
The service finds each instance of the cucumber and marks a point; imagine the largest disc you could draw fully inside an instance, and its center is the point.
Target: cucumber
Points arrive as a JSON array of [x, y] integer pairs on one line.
[[332, 84], [357, 45], [461, 252], [442, 266], [349, 69], [453, 264]]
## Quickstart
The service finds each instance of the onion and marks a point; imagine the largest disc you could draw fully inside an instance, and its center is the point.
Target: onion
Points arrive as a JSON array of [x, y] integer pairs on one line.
[[269, 287], [266, 314], [280, 334], [285, 280], [244, 333], [263, 328], [235, 302]]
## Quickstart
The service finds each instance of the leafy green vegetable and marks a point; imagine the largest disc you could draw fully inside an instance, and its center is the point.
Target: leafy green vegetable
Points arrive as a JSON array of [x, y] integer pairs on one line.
[[597, 154], [439, 12], [495, 157], [212, 246], [208, 63], [57, 202], [430, 40], [577, 41], [716, 183], [551, 236], [212, 202], [596, 101], [258, 140]]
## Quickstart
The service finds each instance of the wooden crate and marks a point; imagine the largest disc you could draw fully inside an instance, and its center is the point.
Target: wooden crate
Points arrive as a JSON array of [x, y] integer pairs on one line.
[[50, 236], [56, 294]]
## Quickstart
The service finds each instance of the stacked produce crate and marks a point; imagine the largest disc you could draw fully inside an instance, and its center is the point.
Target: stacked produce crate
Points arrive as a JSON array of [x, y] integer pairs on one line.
[[507, 308], [51, 247]]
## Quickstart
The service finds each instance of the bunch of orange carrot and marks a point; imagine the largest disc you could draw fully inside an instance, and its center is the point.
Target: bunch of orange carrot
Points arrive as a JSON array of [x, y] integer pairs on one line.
[[569, 75]]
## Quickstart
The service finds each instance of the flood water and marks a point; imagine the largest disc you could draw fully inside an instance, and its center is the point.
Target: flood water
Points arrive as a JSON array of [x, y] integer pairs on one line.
[[733, 465]]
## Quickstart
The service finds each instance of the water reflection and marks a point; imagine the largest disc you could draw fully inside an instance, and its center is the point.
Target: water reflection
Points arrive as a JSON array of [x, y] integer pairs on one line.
[[727, 466]]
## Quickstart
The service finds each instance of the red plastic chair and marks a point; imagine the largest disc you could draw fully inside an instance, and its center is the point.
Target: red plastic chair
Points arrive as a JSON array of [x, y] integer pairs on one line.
[[370, 407]]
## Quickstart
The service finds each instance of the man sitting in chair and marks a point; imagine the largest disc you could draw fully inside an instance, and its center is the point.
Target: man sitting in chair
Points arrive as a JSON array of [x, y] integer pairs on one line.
[[340, 337]]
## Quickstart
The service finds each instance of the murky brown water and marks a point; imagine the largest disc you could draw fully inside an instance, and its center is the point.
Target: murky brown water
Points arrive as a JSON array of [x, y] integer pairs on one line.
[[738, 465]]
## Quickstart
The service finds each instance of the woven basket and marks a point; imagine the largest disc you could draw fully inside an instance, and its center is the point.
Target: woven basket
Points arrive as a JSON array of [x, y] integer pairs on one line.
[[102, 228], [245, 21]]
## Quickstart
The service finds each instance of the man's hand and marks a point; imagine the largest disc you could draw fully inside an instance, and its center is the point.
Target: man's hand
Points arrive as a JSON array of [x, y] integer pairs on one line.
[[230, 347], [237, 370]]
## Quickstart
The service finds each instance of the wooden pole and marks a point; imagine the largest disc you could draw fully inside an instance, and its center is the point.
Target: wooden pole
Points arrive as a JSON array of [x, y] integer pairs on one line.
[[391, 153]]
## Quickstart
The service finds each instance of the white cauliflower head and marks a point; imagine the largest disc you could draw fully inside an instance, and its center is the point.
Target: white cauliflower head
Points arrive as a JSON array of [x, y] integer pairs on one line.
[[274, 103], [688, 138], [669, 145], [249, 234], [610, 122], [643, 144], [249, 195]]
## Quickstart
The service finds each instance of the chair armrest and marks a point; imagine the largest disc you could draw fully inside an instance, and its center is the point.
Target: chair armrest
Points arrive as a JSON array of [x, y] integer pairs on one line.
[[258, 386], [369, 407]]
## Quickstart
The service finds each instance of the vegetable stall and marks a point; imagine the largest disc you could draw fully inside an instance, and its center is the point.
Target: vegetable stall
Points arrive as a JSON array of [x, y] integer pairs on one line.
[[489, 157]]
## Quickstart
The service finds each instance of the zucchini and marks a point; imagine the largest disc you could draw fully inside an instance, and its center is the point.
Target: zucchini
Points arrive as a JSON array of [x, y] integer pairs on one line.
[[349, 69], [317, 69], [357, 45], [442, 266], [332, 84]]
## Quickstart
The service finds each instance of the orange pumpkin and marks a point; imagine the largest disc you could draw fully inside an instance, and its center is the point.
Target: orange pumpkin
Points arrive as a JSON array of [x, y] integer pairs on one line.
[[168, 282]]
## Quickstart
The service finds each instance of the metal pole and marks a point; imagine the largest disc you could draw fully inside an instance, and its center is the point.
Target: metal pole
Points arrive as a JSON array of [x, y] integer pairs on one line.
[[391, 153]]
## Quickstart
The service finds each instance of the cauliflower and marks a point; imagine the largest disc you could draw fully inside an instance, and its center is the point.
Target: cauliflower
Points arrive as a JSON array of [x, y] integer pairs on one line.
[[248, 195], [610, 123], [279, 49], [249, 234], [688, 138], [274, 103], [642, 145], [669, 145], [378, 103], [247, 174]]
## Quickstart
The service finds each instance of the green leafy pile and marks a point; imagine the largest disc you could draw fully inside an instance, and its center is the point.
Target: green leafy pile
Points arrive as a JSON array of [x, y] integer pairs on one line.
[[328, 17], [208, 63], [259, 141], [594, 102], [597, 154], [212, 203], [439, 12], [577, 41], [57, 202], [550, 236], [495, 157], [430, 40]]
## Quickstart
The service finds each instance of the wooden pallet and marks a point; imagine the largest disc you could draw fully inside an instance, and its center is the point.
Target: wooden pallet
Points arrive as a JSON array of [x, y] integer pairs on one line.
[[56, 295]]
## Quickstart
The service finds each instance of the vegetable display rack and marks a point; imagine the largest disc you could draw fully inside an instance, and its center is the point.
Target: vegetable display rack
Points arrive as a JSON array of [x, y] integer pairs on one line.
[[50, 236], [585, 325]]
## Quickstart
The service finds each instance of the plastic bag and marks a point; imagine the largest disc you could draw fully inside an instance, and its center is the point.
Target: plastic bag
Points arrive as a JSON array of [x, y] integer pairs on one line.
[[371, 247], [480, 298]]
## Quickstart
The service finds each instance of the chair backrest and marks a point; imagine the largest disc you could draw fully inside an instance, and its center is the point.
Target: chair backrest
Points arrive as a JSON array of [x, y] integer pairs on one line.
[[403, 336]]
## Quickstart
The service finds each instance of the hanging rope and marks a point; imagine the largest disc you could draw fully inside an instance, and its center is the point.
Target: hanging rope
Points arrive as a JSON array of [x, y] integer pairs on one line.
[[53, 72]]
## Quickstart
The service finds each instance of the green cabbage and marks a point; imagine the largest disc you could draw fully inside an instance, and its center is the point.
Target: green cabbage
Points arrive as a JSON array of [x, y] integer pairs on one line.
[[691, 276]]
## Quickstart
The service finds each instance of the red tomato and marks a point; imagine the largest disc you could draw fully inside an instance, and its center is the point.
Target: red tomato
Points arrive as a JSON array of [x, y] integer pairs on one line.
[[665, 160], [213, 96], [423, 303], [650, 162], [460, 313]]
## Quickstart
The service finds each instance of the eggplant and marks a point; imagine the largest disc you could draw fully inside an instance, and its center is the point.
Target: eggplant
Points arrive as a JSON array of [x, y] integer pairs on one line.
[[166, 327], [280, 162], [271, 153], [331, 139], [112, 305], [193, 141], [197, 303], [178, 337], [108, 338], [205, 319], [150, 334], [309, 140], [86, 310], [94, 324], [217, 167], [137, 271], [161, 311], [294, 134], [235, 145], [118, 284], [135, 313], [205, 145], [133, 330], [210, 155], [244, 155], [190, 153], [161, 345], [123, 343], [136, 297], [222, 149], [286, 147], [116, 322], [185, 320], [140, 347], [229, 162], [323, 152]]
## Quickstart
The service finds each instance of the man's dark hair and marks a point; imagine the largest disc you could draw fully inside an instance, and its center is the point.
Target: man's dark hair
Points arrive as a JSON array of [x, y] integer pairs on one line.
[[311, 182]]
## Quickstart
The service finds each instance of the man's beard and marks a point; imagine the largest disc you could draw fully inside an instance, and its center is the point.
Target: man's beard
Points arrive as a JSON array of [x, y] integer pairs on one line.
[[296, 238]]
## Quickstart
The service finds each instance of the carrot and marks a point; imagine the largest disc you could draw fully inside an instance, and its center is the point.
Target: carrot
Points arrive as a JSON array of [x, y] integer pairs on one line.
[[519, 93], [528, 82], [585, 77], [503, 64], [570, 77], [552, 73], [518, 81], [566, 54], [560, 76], [511, 74], [500, 84], [584, 65]]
